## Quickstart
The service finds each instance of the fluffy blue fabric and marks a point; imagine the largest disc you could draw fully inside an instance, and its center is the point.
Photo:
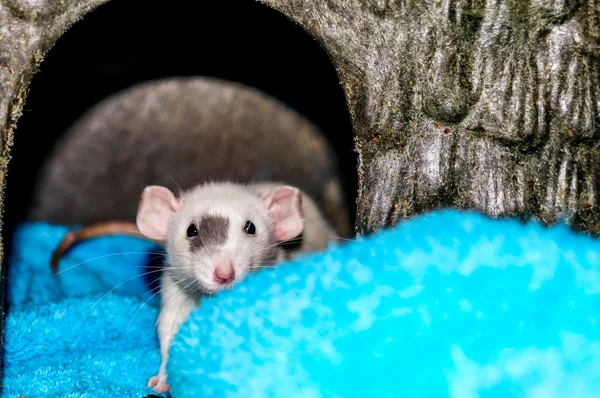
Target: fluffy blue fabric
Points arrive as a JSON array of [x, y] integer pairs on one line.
[[447, 305], [63, 336]]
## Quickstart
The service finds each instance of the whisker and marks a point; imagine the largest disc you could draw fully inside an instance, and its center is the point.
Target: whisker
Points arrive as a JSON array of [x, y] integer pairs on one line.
[[276, 244], [315, 207], [295, 239], [290, 215], [159, 267], [122, 283], [140, 307], [181, 190], [180, 291], [103, 256]]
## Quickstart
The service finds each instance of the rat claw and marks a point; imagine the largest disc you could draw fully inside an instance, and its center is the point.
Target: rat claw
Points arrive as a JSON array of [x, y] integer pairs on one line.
[[152, 381], [159, 383], [160, 388]]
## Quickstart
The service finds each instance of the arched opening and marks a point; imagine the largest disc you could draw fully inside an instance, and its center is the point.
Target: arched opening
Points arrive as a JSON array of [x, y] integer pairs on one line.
[[126, 42], [130, 41]]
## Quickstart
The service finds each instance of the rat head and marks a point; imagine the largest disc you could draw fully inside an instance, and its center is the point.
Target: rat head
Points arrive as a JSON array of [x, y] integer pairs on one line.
[[216, 233]]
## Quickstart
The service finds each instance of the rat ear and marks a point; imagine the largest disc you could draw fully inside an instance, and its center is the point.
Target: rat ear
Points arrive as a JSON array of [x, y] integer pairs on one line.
[[157, 206], [285, 209]]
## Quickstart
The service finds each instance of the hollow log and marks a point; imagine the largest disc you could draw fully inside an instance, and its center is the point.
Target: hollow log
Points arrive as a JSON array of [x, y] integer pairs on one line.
[[489, 105]]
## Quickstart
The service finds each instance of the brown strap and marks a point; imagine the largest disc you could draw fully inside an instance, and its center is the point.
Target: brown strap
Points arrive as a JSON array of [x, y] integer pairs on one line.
[[93, 231]]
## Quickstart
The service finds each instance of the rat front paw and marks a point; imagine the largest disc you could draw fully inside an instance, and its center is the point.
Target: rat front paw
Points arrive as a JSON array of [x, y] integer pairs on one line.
[[158, 383]]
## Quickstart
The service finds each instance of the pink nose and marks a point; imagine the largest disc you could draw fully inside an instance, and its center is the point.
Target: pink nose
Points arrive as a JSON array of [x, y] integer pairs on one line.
[[224, 274]]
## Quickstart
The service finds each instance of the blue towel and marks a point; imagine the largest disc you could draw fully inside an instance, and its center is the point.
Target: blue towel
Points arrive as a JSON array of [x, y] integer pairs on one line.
[[448, 304], [64, 336]]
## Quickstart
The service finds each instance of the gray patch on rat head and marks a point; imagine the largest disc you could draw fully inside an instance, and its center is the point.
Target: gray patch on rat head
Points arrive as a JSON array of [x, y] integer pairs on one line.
[[212, 231]]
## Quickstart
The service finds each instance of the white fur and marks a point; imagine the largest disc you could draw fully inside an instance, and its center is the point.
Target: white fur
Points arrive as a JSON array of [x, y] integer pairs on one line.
[[190, 274]]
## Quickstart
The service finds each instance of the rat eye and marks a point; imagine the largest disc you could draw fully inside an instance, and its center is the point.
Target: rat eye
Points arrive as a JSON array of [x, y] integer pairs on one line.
[[249, 228], [192, 231]]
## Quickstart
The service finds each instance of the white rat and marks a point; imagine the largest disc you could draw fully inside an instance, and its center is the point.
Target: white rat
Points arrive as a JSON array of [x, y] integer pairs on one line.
[[214, 234]]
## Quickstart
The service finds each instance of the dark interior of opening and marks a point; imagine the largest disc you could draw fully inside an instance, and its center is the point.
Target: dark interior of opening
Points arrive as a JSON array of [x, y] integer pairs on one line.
[[128, 41]]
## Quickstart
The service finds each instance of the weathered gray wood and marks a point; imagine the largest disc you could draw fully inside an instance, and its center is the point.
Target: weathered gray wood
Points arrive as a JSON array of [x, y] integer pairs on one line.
[[28, 28], [483, 104], [487, 105], [155, 133]]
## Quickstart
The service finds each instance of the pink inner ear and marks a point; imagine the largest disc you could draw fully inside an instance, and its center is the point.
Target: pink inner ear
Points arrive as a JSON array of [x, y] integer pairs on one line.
[[285, 209], [157, 206]]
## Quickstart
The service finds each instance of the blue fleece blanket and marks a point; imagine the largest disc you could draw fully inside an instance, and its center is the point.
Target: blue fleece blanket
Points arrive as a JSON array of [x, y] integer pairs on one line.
[[64, 335], [448, 304]]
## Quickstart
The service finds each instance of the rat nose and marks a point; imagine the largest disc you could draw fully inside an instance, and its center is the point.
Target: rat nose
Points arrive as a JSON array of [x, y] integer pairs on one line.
[[224, 273]]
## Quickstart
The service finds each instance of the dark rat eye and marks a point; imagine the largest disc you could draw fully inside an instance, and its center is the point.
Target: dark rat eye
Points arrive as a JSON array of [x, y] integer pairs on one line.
[[249, 228], [192, 231]]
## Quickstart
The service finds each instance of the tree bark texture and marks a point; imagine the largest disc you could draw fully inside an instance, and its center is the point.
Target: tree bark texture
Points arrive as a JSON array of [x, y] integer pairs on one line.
[[490, 105], [471, 104]]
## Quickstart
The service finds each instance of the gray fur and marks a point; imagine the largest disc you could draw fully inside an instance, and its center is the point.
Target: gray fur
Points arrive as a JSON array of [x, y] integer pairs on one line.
[[180, 132], [212, 231]]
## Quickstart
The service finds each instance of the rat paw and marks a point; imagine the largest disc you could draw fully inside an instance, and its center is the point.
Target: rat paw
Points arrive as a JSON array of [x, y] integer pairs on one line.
[[158, 383]]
